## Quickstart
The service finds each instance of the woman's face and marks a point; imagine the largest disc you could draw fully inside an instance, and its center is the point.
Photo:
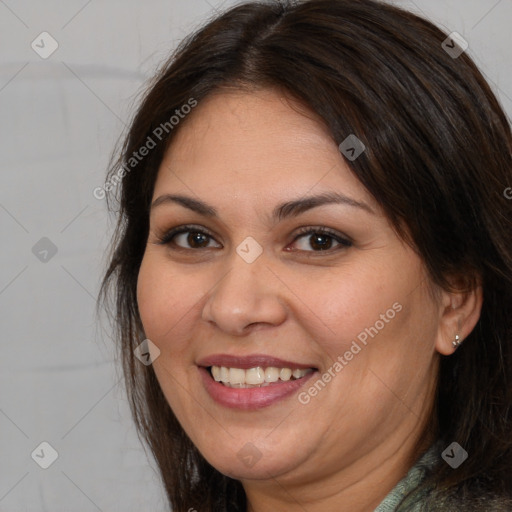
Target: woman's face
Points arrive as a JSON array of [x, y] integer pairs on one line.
[[255, 281]]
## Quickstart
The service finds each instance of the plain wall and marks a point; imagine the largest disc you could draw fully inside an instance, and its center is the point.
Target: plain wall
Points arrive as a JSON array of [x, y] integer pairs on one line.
[[59, 120]]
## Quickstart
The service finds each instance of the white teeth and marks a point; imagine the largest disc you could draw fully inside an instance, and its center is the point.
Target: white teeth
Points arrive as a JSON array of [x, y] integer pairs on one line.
[[285, 374], [236, 376], [224, 373], [297, 374], [255, 377], [271, 374], [216, 373]]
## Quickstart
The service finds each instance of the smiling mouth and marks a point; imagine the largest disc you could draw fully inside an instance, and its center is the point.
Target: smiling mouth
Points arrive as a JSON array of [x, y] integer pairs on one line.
[[257, 377]]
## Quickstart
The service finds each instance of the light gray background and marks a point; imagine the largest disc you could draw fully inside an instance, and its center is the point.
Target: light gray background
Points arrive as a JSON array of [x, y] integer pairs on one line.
[[60, 118]]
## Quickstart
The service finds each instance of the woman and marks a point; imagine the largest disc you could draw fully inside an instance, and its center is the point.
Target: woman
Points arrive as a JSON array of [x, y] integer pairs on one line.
[[314, 244]]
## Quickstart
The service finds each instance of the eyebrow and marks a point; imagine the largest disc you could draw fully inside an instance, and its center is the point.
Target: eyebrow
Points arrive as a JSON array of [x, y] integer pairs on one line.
[[281, 212]]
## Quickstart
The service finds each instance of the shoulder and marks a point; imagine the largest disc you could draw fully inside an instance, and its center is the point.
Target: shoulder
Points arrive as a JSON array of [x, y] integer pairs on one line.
[[420, 493], [446, 501]]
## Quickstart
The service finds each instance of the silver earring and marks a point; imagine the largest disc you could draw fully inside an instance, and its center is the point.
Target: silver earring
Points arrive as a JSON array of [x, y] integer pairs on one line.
[[457, 341]]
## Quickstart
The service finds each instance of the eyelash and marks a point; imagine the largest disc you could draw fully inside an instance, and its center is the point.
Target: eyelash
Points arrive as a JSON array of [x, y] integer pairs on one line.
[[344, 242]]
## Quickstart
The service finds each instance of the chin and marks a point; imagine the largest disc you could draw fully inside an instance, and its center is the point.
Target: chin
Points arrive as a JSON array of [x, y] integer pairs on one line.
[[261, 470], [248, 462]]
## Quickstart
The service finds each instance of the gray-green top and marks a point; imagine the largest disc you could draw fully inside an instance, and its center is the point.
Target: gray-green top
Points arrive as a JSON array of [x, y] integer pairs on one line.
[[410, 482]]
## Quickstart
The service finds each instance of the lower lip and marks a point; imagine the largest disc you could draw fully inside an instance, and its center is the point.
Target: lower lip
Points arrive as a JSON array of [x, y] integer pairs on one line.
[[250, 398]]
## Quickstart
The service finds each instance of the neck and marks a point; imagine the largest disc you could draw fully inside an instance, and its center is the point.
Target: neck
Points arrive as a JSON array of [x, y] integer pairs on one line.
[[360, 487]]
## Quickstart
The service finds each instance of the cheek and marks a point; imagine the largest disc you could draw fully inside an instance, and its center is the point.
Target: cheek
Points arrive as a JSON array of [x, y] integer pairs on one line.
[[350, 305], [164, 297], [380, 317]]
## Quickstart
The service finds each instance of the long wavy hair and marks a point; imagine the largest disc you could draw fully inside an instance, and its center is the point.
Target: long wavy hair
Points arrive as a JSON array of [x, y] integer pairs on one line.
[[438, 161]]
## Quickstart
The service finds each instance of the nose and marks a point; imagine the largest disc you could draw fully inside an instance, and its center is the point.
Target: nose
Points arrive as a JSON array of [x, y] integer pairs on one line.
[[248, 295]]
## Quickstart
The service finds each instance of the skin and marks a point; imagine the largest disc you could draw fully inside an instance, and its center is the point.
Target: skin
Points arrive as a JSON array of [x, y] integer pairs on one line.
[[244, 153]]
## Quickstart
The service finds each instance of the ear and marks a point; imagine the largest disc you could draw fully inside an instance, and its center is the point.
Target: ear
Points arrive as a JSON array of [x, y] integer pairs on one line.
[[459, 313]]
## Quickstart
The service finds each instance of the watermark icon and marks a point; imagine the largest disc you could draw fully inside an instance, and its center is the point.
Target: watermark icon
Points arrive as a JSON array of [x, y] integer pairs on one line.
[[44, 250], [44, 455], [44, 45], [454, 45], [249, 455], [249, 250], [157, 135], [507, 193], [454, 455], [343, 360], [147, 352], [352, 147]]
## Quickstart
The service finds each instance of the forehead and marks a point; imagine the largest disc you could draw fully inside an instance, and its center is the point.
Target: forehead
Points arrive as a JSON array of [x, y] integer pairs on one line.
[[255, 144]]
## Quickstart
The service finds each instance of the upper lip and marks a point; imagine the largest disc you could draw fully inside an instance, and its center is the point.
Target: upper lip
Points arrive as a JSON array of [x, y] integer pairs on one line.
[[250, 361]]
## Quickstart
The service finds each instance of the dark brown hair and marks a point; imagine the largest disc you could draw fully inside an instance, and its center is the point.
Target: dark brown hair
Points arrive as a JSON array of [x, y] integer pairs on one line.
[[438, 160]]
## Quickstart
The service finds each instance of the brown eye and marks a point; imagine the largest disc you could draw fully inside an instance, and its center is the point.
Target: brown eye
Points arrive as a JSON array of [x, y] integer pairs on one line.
[[197, 239], [316, 240], [320, 242], [188, 237]]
